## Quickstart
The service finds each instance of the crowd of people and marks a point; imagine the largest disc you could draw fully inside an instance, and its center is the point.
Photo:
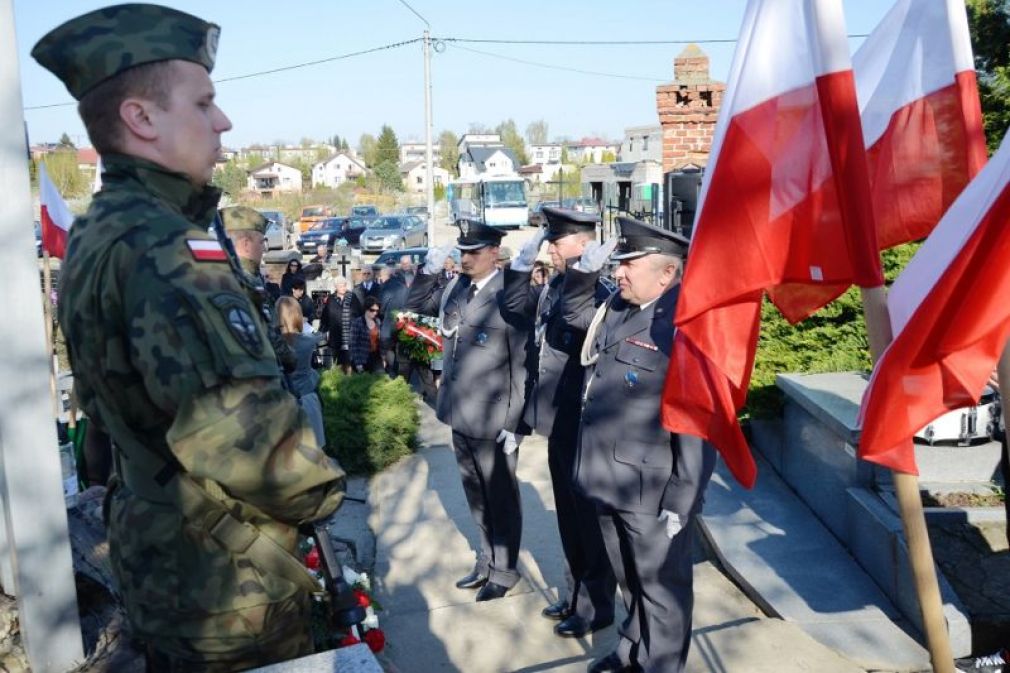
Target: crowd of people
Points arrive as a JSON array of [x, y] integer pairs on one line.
[[201, 372]]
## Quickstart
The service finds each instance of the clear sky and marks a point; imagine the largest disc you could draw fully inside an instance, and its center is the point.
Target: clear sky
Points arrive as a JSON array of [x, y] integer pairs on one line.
[[358, 95]]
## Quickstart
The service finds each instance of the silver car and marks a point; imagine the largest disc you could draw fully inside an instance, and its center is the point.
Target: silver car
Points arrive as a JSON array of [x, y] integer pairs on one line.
[[389, 232]]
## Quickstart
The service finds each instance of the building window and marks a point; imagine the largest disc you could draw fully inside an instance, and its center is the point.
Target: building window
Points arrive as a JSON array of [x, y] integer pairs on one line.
[[419, 180], [645, 143]]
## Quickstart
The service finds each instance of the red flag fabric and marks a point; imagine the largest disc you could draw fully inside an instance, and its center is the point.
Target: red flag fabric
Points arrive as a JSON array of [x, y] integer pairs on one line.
[[950, 314], [922, 119], [55, 216], [784, 208]]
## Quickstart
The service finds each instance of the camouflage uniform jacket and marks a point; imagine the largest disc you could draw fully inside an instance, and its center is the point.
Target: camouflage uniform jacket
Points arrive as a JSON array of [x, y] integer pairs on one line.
[[257, 289], [166, 353]]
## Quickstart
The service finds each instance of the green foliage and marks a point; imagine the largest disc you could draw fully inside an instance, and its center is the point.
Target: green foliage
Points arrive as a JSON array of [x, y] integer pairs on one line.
[[447, 143], [387, 147], [66, 142], [989, 24], [367, 147], [371, 420], [608, 157], [439, 191], [66, 175], [564, 154], [511, 139], [388, 174], [232, 178], [832, 340], [536, 132]]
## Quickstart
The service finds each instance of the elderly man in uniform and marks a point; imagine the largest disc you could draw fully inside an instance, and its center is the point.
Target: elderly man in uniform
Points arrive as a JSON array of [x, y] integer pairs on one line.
[[554, 405], [481, 397], [247, 230], [646, 482], [215, 464]]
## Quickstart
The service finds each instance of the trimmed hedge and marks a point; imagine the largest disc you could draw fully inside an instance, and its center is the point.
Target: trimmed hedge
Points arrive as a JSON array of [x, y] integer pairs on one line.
[[831, 340], [370, 420]]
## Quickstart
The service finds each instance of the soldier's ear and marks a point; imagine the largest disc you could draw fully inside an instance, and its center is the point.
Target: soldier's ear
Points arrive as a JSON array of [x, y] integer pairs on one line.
[[137, 116]]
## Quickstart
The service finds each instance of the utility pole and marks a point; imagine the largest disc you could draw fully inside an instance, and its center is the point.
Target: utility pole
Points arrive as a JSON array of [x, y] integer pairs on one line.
[[429, 170]]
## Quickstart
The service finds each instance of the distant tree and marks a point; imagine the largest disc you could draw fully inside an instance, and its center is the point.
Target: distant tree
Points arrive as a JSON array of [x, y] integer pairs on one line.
[[989, 24], [564, 154], [477, 127], [66, 142], [388, 174], [336, 141], [343, 144], [608, 157], [306, 142], [448, 144], [536, 132], [367, 146], [387, 147], [65, 174], [232, 178], [511, 139], [439, 191], [305, 167]]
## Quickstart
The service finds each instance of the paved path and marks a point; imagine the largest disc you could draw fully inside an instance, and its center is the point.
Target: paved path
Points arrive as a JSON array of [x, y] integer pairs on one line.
[[424, 537]]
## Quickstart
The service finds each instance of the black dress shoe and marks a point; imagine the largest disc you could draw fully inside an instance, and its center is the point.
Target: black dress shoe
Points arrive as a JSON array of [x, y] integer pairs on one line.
[[557, 611], [472, 581], [491, 591], [577, 627], [612, 664]]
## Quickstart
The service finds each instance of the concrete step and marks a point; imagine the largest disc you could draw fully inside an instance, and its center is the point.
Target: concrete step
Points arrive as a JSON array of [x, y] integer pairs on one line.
[[791, 565]]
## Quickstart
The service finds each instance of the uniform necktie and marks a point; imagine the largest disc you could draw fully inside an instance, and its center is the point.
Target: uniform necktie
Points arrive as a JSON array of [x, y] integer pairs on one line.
[[471, 293]]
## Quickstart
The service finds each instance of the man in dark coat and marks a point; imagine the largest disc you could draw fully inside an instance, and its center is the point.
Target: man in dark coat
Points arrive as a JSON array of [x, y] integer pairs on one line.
[[482, 396], [553, 408], [646, 482]]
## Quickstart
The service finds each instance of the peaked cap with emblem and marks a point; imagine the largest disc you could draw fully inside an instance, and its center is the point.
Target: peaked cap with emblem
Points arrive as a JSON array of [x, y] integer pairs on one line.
[[87, 50], [474, 234], [243, 218], [564, 221], [638, 239]]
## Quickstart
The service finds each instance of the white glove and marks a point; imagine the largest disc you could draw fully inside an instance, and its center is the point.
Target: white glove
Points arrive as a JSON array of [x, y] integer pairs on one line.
[[595, 255], [436, 258], [673, 523], [523, 261], [511, 441]]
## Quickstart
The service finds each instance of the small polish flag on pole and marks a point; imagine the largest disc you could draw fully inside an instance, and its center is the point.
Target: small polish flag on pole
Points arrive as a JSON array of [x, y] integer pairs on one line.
[[56, 216]]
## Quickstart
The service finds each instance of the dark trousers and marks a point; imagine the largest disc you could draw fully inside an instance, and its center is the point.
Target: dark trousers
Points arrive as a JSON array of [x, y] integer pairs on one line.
[[489, 482], [590, 579], [655, 575]]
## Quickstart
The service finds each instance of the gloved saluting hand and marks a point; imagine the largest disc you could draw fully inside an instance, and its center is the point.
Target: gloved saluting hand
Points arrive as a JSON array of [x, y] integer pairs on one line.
[[511, 441], [595, 255], [436, 258], [523, 261], [673, 523]]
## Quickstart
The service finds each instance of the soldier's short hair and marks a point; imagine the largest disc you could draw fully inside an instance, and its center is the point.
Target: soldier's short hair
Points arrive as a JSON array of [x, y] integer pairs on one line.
[[99, 107]]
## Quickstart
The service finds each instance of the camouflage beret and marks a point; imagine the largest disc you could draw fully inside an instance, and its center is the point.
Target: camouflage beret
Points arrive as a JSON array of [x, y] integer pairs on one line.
[[87, 50], [243, 218]]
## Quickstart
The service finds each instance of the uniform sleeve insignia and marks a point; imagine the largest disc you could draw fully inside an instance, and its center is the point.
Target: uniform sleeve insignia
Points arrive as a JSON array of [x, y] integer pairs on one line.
[[206, 251], [642, 344], [240, 322]]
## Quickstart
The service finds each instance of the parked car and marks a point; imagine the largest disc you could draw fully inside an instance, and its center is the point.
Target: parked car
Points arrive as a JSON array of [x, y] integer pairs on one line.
[[312, 214], [536, 216], [366, 209], [582, 204], [417, 256], [279, 235], [352, 228], [393, 231], [324, 232], [419, 211]]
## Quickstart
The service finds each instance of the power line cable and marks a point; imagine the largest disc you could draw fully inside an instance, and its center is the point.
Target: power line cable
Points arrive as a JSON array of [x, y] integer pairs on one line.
[[561, 67], [404, 3], [602, 43]]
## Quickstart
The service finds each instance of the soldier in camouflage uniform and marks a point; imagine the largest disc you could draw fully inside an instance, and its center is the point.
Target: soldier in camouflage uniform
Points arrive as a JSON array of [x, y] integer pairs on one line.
[[215, 465], [247, 229]]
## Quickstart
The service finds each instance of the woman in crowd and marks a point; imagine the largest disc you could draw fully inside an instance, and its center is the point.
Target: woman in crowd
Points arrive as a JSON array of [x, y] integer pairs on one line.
[[341, 309], [293, 271], [304, 379], [366, 355]]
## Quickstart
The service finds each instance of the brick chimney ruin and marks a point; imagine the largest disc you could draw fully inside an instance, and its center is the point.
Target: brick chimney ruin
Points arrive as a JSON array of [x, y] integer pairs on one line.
[[688, 108]]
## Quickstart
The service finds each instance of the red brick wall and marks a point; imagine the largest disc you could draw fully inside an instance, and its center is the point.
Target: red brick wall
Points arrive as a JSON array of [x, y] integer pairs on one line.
[[688, 109]]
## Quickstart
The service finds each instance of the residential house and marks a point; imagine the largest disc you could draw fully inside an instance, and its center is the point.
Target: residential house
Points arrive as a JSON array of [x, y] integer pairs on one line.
[[337, 170], [591, 150], [469, 139], [288, 153], [274, 177], [545, 154], [487, 160], [414, 151], [535, 174], [415, 176], [87, 161], [642, 143]]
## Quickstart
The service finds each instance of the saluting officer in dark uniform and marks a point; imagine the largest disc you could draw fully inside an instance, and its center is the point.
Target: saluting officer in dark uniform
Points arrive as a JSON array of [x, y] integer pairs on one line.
[[646, 482], [481, 396], [553, 407]]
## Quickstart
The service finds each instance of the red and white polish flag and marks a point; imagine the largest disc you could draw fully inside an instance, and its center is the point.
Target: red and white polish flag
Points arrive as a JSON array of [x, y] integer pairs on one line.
[[922, 119], [206, 250], [950, 315], [56, 217], [784, 208]]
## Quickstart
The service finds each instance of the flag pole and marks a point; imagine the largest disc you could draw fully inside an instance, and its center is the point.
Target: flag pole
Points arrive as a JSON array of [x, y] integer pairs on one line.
[[906, 487], [47, 313]]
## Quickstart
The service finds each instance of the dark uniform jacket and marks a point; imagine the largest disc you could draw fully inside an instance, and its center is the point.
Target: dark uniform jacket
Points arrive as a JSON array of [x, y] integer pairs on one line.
[[626, 458], [484, 362]]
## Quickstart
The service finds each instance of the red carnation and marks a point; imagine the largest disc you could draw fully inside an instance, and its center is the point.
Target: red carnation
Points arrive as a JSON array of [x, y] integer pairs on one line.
[[363, 599], [312, 559], [351, 639], [375, 639]]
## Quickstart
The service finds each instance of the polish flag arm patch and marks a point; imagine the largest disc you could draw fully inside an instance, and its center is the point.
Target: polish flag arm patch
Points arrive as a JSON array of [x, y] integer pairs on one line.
[[207, 251]]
